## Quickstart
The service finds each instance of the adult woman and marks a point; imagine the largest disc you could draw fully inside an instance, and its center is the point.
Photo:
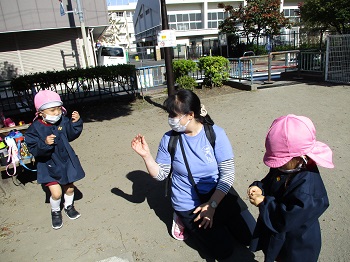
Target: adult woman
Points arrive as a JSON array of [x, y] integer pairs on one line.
[[223, 215]]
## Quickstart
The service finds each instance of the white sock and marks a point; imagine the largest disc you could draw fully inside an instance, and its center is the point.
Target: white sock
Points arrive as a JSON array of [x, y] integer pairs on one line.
[[55, 204], [68, 200]]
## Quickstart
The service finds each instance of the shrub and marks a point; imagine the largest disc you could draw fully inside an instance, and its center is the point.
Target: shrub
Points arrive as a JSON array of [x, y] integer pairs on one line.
[[183, 67], [186, 82], [215, 70]]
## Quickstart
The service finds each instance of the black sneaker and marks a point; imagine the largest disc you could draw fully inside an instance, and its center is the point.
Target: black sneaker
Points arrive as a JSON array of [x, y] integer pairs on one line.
[[71, 212], [56, 219]]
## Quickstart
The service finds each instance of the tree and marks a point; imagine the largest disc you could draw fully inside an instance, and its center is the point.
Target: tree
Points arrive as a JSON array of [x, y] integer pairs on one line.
[[256, 18], [325, 14]]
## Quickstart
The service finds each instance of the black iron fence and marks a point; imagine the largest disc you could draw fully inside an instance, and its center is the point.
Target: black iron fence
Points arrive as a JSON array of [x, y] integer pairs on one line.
[[73, 92]]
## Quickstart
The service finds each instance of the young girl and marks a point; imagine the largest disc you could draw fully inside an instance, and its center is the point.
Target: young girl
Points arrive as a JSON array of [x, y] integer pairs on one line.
[[292, 196], [48, 140]]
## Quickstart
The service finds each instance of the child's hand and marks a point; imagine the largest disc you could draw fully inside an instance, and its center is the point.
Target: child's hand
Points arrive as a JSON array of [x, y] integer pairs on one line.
[[256, 199], [254, 190], [255, 195], [75, 116], [50, 140]]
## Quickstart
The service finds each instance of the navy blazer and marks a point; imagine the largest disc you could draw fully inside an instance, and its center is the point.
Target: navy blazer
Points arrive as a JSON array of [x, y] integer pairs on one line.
[[57, 162], [287, 227]]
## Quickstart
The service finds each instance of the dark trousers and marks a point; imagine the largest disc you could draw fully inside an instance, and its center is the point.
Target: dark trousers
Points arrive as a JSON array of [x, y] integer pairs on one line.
[[231, 220]]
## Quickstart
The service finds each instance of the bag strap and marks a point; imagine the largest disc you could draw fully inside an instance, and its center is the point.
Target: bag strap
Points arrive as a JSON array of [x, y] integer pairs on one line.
[[211, 136], [188, 167], [12, 154], [174, 137]]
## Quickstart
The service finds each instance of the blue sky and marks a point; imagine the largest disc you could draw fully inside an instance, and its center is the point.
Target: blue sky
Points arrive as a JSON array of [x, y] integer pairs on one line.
[[120, 2]]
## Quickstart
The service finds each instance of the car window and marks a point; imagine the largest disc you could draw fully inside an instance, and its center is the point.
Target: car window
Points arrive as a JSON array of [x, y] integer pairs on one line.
[[112, 51]]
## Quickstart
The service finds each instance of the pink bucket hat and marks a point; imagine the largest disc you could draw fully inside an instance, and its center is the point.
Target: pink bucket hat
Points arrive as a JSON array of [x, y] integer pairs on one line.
[[292, 136], [45, 99]]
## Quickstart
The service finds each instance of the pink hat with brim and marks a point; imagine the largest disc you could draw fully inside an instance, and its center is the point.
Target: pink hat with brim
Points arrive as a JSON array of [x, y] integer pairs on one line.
[[293, 136], [45, 99]]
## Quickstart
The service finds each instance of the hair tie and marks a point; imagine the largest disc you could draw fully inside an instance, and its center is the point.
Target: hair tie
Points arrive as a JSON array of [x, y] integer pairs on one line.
[[203, 111]]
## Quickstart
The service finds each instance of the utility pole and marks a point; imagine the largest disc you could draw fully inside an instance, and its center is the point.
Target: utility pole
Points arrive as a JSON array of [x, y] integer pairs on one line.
[[83, 33], [167, 52], [79, 12]]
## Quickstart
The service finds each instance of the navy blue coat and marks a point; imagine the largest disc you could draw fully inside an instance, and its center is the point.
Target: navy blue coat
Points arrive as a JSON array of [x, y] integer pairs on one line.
[[287, 228], [57, 162]]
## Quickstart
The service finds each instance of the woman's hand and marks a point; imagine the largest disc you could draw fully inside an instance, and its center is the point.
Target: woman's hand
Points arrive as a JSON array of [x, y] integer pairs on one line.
[[206, 213], [140, 145]]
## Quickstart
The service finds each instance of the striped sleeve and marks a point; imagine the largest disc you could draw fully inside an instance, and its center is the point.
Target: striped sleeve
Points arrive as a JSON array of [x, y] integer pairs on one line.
[[164, 170], [227, 175]]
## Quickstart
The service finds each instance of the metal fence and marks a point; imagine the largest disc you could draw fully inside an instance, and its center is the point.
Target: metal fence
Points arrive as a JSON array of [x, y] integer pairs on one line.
[[338, 59], [76, 91], [312, 61], [150, 76]]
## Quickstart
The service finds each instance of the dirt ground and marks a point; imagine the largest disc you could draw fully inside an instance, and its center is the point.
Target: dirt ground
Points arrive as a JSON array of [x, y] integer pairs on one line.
[[125, 215]]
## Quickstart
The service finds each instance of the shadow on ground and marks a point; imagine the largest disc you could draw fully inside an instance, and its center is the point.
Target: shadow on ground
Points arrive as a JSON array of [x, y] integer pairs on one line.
[[145, 188]]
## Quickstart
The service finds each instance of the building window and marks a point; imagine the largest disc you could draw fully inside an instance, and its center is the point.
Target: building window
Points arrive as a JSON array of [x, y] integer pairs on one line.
[[172, 18], [119, 14], [147, 11], [184, 22], [214, 19], [292, 14]]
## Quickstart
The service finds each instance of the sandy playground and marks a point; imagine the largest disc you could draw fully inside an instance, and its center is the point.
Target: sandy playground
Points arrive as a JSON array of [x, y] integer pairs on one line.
[[124, 213]]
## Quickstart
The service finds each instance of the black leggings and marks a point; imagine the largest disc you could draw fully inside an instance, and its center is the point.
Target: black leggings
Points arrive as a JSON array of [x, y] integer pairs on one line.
[[229, 222]]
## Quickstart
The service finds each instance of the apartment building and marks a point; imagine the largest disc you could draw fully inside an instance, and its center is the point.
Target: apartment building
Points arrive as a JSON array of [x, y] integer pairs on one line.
[[36, 36]]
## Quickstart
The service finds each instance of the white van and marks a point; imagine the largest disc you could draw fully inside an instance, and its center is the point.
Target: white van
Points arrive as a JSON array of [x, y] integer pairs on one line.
[[111, 55]]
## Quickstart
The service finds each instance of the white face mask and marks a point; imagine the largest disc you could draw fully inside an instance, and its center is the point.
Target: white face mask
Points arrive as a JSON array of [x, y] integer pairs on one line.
[[297, 169], [52, 119], [175, 125]]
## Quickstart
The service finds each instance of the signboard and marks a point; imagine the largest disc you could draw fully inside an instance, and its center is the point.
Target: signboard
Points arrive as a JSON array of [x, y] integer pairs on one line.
[[166, 38]]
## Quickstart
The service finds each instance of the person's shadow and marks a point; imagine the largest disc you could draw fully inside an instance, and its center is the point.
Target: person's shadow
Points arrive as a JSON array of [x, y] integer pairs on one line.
[[147, 188]]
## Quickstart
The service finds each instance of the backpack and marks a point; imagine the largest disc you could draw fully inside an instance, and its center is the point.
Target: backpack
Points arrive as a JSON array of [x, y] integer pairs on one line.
[[17, 151], [174, 138]]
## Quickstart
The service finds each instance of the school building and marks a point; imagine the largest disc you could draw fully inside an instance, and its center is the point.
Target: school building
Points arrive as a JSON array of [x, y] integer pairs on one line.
[[195, 21]]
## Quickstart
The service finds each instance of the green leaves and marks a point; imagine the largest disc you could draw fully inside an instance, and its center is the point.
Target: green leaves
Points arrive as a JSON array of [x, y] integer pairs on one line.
[[215, 70], [257, 17], [327, 14], [182, 68], [49, 78]]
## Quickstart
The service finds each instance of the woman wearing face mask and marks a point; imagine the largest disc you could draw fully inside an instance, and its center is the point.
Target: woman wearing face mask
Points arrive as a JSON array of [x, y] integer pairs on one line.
[[223, 216], [48, 140]]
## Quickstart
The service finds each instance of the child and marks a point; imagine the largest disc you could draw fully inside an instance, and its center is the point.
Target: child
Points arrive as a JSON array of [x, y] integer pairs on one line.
[[48, 140], [292, 196]]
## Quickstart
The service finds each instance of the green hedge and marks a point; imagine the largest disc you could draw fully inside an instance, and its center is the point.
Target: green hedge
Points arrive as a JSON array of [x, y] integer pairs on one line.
[[49, 78]]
